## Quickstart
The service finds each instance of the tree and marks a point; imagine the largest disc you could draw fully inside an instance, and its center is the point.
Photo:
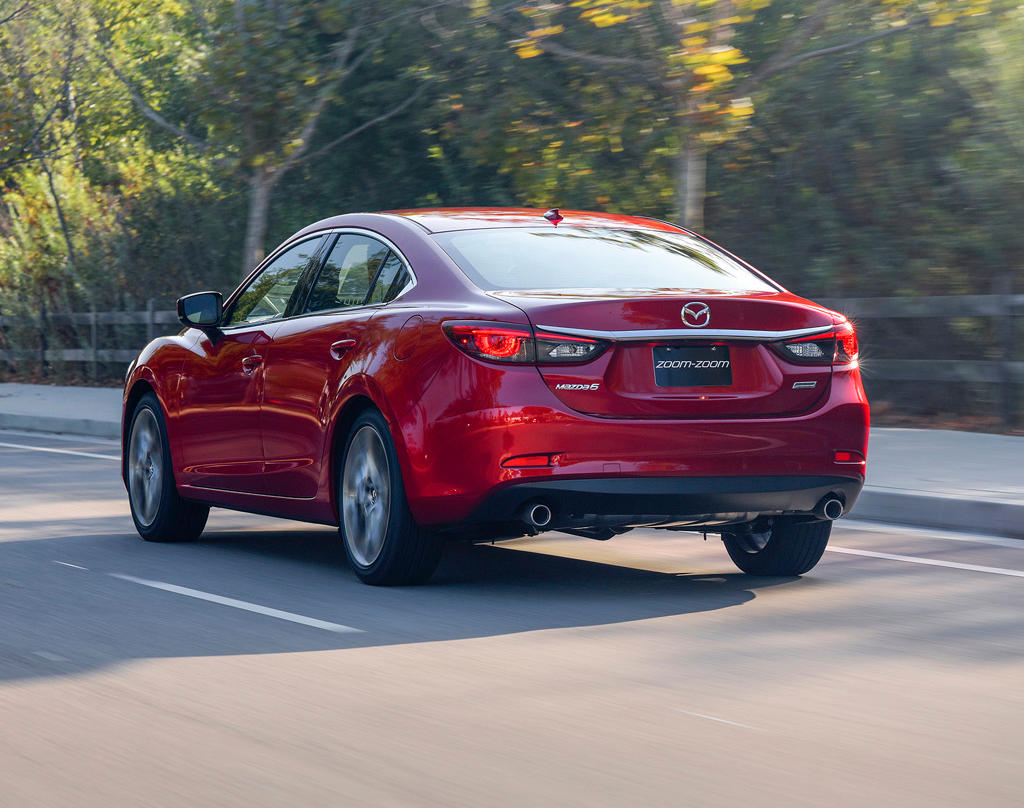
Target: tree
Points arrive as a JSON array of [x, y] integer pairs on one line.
[[35, 84], [247, 84], [686, 54]]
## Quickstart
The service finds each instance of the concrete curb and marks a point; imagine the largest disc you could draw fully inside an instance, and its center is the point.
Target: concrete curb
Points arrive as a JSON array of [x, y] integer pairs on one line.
[[948, 513], [72, 426]]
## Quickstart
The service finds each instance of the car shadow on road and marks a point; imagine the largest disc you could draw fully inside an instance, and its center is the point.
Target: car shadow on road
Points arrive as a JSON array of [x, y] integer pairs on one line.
[[64, 611]]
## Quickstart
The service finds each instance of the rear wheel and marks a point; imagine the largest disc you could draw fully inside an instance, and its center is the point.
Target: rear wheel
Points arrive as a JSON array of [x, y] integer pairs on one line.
[[382, 540], [157, 510], [784, 548]]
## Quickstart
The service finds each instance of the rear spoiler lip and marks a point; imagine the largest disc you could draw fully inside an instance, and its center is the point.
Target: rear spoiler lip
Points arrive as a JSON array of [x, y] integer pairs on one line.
[[730, 334]]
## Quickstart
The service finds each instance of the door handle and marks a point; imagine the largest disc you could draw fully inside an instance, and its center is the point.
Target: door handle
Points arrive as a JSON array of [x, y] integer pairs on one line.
[[342, 345], [250, 363]]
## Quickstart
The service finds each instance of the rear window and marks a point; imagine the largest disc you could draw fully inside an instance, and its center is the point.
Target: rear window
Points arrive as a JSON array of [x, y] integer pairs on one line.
[[594, 258]]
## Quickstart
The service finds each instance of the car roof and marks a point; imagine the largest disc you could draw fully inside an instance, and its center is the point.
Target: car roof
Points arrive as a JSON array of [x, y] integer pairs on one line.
[[442, 220]]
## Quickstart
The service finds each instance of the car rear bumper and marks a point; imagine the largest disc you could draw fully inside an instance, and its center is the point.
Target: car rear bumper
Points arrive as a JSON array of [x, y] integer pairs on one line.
[[671, 496], [459, 464], [665, 501]]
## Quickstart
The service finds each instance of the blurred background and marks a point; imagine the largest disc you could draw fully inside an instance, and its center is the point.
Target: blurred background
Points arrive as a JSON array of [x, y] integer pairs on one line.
[[865, 153]]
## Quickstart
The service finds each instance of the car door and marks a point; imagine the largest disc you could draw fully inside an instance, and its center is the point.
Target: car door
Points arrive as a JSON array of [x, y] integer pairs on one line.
[[222, 382], [312, 355]]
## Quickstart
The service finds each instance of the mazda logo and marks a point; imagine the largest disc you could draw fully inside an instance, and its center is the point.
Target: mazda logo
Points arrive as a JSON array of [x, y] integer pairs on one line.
[[696, 315]]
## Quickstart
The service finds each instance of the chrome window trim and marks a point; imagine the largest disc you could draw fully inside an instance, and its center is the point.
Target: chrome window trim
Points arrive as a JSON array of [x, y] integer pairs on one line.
[[358, 231], [688, 333], [262, 265]]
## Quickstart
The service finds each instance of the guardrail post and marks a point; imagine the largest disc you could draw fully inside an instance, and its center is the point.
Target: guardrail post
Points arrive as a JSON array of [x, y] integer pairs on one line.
[[94, 370], [42, 339], [150, 320], [1006, 334]]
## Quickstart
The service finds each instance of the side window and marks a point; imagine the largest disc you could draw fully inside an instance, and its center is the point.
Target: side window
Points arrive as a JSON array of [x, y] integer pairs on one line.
[[347, 274], [394, 278], [267, 296]]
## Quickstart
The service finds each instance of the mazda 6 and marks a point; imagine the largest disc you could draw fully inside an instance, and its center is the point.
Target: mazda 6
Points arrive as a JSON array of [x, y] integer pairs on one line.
[[423, 376]]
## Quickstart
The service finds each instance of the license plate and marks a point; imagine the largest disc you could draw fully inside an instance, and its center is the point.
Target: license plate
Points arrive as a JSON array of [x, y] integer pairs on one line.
[[692, 366]]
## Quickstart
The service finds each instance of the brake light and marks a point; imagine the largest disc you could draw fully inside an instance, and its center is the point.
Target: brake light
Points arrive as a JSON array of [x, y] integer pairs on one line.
[[836, 348], [513, 343], [846, 343], [497, 342]]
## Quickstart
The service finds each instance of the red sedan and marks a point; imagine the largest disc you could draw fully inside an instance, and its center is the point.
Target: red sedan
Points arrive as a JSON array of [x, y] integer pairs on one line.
[[426, 375]]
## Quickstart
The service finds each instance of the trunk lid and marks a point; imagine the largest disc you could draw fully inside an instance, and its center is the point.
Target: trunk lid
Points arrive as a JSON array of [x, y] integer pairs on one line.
[[715, 364]]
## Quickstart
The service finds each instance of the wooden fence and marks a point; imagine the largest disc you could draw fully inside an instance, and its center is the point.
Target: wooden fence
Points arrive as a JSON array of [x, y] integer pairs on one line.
[[1006, 371]]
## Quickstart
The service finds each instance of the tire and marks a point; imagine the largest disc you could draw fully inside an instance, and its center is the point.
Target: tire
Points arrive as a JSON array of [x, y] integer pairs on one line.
[[383, 543], [787, 548], [157, 510]]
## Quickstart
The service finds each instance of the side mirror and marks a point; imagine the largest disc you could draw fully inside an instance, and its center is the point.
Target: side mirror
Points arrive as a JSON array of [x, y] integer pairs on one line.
[[200, 310]]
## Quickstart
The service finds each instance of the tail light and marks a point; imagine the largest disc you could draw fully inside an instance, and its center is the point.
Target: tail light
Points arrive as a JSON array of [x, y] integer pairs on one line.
[[846, 344], [558, 349], [836, 348], [496, 342], [517, 344]]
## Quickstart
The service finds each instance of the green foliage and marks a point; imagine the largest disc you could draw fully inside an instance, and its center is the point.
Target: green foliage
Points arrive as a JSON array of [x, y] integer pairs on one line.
[[863, 177], [864, 148]]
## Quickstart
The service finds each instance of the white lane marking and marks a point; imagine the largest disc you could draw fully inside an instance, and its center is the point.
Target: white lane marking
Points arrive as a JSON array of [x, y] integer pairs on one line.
[[24, 433], [51, 657], [712, 718], [931, 562], [930, 533], [75, 566], [241, 604], [57, 451]]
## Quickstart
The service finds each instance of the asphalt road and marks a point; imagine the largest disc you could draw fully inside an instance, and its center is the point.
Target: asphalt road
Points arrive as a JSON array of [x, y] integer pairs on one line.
[[251, 669]]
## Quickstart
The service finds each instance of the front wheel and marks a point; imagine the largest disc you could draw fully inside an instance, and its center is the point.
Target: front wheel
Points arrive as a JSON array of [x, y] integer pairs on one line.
[[784, 548], [383, 543], [157, 510]]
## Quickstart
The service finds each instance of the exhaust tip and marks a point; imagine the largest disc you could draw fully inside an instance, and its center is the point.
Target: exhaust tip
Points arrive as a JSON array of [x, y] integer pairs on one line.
[[539, 515], [830, 508]]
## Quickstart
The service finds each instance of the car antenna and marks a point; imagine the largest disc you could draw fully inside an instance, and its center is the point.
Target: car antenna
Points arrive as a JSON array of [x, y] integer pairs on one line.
[[554, 216]]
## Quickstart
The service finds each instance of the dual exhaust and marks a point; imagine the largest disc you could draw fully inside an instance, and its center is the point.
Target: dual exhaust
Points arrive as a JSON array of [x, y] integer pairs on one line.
[[537, 515]]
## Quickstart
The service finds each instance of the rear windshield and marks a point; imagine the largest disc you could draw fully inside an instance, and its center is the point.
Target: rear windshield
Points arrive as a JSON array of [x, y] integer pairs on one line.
[[594, 258]]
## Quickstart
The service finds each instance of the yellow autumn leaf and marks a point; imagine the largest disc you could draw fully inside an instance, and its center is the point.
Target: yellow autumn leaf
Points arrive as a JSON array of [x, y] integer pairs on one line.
[[726, 55], [742, 107], [548, 30], [528, 51], [710, 70], [607, 18]]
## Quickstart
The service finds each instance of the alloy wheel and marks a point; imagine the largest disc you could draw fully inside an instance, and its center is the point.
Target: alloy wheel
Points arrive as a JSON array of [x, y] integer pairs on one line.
[[366, 496], [145, 466]]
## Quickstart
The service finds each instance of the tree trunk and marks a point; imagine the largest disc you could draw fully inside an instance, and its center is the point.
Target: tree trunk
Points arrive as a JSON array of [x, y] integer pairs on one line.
[[261, 183], [690, 181]]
